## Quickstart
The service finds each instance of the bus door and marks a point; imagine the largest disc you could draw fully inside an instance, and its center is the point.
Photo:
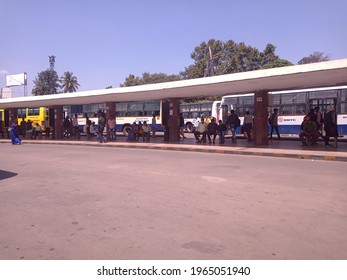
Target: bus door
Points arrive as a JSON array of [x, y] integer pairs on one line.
[[324, 104]]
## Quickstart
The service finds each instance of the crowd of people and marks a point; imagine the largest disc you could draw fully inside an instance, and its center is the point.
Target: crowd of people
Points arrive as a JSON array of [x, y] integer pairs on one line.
[[204, 130], [314, 126], [142, 130]]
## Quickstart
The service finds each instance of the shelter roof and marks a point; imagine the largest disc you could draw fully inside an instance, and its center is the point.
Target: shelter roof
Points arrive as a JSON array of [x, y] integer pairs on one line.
[[330, 73]]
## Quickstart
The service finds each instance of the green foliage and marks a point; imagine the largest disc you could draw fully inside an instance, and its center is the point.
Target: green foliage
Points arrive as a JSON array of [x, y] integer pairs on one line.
[[69, 82], [230, 57], [314, 57], [148, 78], [227, 57], [46, 82]]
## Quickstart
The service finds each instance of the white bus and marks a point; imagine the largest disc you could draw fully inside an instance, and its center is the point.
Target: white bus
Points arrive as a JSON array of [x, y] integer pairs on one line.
[[193, 111], [126, 114], [293, 105]]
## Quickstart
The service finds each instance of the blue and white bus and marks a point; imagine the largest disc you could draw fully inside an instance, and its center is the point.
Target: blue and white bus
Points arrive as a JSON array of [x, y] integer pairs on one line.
[[293, 105]]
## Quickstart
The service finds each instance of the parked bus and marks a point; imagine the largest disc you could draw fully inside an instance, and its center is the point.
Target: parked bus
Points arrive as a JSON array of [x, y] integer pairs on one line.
[[293, 105], [192, 111], [36, 115], [3, 125], [126, 114]]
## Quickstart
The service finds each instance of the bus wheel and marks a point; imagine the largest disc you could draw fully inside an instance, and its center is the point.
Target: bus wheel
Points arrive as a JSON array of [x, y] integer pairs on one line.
[[189, 127], [126, 129]]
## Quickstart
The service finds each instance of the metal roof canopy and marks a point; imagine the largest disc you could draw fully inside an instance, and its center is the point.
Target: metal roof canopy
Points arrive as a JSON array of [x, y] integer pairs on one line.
[[330, 73]]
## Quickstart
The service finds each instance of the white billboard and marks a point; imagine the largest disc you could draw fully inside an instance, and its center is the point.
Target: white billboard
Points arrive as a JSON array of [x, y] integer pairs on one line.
[[16, 80]]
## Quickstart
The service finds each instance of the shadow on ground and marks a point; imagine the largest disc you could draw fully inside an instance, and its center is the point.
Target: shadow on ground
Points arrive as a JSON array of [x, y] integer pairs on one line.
[[6, 174]]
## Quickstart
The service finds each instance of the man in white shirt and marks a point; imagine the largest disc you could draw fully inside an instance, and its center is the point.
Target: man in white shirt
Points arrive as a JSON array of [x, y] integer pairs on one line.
[[201, 130]]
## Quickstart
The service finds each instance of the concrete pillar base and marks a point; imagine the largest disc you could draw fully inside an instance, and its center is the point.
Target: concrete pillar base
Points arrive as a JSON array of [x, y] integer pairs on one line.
[[260, 131]]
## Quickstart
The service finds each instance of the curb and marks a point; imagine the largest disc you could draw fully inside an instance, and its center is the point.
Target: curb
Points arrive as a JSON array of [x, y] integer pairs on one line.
[[294, 154]]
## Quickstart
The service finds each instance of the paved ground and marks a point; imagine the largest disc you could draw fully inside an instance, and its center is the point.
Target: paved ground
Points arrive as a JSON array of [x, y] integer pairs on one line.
[[87, 202]]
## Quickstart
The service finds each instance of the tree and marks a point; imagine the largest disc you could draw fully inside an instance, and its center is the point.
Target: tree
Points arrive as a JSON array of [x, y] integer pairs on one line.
[[46, 82], [148, 78], [69, 82], [231, 57], [314, 57], [268, 58]]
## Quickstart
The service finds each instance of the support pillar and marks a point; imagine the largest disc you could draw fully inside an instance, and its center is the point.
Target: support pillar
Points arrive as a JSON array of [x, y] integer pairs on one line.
[[174, 120], [110, 111], [261, 102], [58, 122]]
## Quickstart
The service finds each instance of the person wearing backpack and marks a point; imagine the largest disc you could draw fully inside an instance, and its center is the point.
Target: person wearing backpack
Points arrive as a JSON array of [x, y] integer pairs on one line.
[[232, 123]]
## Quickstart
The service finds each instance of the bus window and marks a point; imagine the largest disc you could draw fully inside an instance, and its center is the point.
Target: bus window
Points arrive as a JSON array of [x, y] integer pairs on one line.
[[195, 108], [343, 95], [151, 107], [33, 112], [21, 113], [343, 107], [134, 108]]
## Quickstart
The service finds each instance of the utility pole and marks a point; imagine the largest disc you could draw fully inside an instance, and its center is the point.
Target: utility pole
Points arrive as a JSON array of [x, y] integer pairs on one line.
[[209, 72]]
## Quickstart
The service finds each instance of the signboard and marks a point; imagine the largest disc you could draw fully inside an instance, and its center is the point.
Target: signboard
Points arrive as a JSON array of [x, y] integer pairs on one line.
[[16, 80]]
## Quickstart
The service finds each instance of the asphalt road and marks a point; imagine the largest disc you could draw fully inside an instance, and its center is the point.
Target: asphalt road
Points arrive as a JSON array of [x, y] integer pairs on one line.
[[71, 202]]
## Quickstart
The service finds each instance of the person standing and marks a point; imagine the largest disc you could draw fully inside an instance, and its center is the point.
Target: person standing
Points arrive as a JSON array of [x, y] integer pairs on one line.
[[74, 122], [154, 125], [87, 127], [182, 126], [232, 123], [101, 126], [248, 125], [67, 127], [111, 122], [330, 125], [23, 127], [273, 121], [29, 130]]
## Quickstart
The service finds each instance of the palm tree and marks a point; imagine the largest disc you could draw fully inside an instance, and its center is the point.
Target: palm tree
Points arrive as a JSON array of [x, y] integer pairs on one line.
[[69, 82]]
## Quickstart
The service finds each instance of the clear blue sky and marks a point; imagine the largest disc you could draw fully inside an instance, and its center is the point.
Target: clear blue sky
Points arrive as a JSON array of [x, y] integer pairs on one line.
[[103, 41]]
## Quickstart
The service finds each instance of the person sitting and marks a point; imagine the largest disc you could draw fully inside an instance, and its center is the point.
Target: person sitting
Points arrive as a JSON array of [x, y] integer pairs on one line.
[[146, 134], [222, 128], [37, 131], [201, 130], [93, 129], [309, 132], [212, 129], [132, 133]]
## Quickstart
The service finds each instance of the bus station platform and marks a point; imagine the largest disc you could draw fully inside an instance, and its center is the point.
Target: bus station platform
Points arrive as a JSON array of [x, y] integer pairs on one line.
[[287, 147]]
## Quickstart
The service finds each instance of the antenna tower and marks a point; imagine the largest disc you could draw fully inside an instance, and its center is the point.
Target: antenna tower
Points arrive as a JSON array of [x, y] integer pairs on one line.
[[51, 62]]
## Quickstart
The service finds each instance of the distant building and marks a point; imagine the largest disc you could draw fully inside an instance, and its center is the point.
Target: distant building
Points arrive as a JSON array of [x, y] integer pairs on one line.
[[6, 92]]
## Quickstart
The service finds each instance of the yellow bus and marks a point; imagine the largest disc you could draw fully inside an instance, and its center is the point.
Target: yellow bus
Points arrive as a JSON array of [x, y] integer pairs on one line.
[[36, 115], [2, 122]]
